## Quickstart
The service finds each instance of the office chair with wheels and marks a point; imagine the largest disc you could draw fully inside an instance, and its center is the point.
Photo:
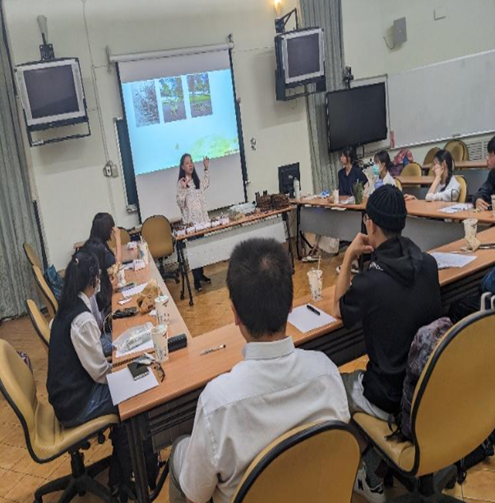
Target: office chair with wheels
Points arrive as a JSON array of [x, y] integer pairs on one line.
[[46, 293], [40, 323], [316, 462], [458, 150], [32, 256], [412, 169], [125, 238], [453, 411], [157, 232], [463, 184], [46, 439]]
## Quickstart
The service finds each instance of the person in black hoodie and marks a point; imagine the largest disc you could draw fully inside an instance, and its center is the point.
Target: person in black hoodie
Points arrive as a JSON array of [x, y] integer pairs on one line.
[[396, 295], [487, 190]]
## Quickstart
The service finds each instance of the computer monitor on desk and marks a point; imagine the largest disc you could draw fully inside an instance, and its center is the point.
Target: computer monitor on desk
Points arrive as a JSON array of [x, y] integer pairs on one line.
[[286, 175]]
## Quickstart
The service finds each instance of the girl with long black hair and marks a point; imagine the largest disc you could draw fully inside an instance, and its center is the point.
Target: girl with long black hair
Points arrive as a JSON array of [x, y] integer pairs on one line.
[[103, 229], [381, 169], [192, 202], [77, 368], [445, 186]]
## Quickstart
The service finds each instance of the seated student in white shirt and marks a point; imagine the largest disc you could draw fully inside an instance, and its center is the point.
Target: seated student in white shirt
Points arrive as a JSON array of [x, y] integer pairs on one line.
[[77, 368], [381, 169], [276, 387], [445, 186]]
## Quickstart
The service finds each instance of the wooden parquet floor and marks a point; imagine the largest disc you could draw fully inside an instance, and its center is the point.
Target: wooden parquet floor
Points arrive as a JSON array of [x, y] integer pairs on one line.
[[20, 476]]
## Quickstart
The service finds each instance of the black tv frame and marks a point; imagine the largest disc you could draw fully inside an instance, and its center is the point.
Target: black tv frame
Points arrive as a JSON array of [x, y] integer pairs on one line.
[[340, 147]]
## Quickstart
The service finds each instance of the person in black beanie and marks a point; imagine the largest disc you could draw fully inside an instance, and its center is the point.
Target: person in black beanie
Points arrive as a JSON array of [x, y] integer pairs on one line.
[[396, 295]]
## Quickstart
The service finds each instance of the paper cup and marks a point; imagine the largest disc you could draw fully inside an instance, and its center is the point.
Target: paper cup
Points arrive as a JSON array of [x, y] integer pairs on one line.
[[470, 228], [159, 334], [335, 195], [315, 277], [493, 205]]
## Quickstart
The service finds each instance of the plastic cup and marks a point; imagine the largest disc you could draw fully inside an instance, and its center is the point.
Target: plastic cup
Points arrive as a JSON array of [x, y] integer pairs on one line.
[[493, 205], [121, 277], [315, 277], [470, 228], [162, 317], [335, 195], [159, 334]]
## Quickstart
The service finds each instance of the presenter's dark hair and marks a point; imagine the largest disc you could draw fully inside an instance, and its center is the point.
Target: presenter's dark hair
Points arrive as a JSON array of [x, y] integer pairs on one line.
[[102, 227], [260, 285], [83, 271], [491, 146], [445, 155], [384, 158], [182, 173], [350, 154]]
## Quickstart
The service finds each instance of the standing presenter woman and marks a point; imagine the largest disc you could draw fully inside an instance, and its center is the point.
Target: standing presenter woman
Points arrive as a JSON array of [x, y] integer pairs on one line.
[[192, 202]]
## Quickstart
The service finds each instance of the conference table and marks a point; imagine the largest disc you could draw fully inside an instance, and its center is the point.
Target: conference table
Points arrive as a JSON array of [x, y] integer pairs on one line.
[[412, 181], [476, 164], [427, 224], [215, 244], [167, 411]]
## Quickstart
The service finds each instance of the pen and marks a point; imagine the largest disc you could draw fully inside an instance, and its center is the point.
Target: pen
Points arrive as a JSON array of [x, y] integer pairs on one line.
[[212, 350], [314, 310]]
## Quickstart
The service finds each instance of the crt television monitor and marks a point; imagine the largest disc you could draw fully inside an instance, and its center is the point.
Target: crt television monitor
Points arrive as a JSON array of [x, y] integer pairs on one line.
[[356, 116], [303, 55], [51, 92]]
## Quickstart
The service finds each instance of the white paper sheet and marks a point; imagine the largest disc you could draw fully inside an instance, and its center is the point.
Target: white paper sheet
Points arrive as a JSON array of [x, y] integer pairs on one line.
[[138, 349], [123, 386], [305, 320], [452, 260], [456, 208], [134, 290]]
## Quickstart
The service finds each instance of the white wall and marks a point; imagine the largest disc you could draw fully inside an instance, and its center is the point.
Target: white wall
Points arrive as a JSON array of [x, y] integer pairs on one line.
[[68, 178], [467, 29]]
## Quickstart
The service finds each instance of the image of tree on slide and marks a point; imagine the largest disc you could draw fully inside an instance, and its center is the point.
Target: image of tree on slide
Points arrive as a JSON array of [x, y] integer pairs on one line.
[[172, 96], [145, 103], [199, 94]]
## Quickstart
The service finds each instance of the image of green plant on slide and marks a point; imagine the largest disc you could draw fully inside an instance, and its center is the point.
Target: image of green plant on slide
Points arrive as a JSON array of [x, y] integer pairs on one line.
[[214, 146], [199, 95], [172, 99]]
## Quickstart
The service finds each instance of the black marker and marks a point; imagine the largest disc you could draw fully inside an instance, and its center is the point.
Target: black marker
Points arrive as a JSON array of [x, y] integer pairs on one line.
[[311, 308]]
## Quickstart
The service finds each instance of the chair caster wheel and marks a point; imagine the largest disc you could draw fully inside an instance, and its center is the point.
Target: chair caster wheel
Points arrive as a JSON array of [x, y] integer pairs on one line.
[[451, 483], [181, 296], [177, 281], [38, 500], [191, 303]]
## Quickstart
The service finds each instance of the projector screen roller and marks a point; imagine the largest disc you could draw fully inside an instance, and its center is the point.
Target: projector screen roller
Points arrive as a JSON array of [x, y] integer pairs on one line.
[[177, 105]]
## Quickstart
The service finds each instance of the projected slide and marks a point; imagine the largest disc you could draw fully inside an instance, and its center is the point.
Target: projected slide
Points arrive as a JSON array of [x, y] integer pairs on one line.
[[184, 113]]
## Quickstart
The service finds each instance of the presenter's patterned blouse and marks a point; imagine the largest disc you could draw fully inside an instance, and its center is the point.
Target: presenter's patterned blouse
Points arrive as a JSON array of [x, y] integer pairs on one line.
[[192, 201]]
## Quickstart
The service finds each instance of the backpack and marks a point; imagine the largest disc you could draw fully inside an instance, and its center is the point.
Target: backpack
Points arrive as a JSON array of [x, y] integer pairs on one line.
[[422, 347], [55, 282]]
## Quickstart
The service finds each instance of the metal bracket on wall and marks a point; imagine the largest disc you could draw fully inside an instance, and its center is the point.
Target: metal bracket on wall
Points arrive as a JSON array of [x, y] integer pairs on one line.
[[109, 62]]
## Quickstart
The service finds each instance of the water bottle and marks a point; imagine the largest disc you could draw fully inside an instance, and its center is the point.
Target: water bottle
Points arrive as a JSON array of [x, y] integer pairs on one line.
[[297, 189]]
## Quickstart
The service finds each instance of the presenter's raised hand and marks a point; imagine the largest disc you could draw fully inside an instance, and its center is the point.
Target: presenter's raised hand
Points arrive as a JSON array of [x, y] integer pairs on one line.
[[183, 183], [206, 162]]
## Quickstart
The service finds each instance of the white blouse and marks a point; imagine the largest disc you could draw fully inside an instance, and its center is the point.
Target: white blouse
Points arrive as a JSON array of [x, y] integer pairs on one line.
[[388, 179], [192, 201], [450, 194], [85, 336]]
